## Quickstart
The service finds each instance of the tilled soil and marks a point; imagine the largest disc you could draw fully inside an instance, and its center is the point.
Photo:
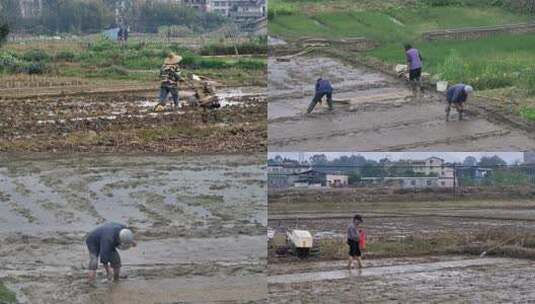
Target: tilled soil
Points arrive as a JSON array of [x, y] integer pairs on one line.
[[396, 223], [418, 280], [108, 122], [200, 222], [375, 112]]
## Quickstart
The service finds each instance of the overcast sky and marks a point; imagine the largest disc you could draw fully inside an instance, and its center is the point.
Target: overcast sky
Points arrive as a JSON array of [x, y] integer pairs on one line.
[[509, 157]]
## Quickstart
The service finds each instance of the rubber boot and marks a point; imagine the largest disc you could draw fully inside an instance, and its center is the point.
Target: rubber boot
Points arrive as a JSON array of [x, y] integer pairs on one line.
[[460, 115], [447, 114]]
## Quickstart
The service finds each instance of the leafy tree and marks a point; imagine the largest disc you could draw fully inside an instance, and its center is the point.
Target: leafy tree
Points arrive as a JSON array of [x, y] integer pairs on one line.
[[493, 161], [470, 161], [354, 178], [372, 170], [4, 31], [319, 160]]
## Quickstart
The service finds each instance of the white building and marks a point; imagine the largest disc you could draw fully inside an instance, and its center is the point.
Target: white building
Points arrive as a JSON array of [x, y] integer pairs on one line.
[[30, 8], [201, 5], [438, 167], [335, 181], [238, 8]]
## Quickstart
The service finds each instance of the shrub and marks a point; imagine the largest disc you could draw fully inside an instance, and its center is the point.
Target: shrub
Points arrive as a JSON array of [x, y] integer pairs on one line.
[[36, 68], [36, 55], [8, 62], [114, 71], [65, 56], [102, 45]]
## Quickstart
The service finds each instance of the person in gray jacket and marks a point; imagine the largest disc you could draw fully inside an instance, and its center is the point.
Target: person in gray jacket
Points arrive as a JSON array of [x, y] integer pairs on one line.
[[353, 238], [103, 242]]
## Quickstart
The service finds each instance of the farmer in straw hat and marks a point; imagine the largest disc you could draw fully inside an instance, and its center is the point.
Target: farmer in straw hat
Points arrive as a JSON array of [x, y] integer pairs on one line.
[[170, 75]]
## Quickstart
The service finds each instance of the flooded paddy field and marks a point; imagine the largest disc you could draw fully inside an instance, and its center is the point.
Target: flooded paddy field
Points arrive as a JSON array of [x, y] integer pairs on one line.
[[437, 279], [423, 220], [200, 222], [126, 121], [419, 251], [373, 111]]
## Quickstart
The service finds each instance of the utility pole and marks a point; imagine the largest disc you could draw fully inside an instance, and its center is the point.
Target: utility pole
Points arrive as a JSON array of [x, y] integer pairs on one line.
[[454, 181]]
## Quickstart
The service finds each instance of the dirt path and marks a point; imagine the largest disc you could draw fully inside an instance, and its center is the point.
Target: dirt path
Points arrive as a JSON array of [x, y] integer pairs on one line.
[[427, 279], [377, 113], [185, 211]]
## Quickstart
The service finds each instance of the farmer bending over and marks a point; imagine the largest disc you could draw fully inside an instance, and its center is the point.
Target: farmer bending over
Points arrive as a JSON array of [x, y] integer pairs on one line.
[[323, 88], [103, 242], [353, 238], [457, 96], [414, 62]]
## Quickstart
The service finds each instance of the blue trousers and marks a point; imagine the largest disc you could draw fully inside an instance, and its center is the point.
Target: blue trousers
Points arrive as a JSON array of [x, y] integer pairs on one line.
[[164, 91]]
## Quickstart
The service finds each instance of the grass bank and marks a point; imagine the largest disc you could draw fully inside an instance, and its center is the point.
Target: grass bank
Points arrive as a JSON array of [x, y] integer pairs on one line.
[[7, 296], [384, 23], [493, 242], [139, 61]]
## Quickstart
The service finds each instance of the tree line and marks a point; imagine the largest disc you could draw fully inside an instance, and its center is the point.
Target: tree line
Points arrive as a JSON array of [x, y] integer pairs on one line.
[[91, 16], [321, 160]]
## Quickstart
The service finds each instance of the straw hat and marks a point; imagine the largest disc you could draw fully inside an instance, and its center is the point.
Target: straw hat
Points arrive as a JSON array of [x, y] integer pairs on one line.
[[172, 58]]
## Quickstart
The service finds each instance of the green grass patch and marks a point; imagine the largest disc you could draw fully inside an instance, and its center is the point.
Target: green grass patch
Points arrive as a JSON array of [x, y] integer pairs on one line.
[[7, 296], [528, 113], [387, 25], [490, 63], [136, 61]]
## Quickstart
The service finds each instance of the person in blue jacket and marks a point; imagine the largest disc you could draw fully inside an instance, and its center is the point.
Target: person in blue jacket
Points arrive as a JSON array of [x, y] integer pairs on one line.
[[323, 88], [103, 242], [457, 96]]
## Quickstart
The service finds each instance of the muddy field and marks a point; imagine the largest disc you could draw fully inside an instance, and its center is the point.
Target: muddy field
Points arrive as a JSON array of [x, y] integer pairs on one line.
[[200, 222], [441, 279], [374, 112], [395, 221], [125, 121], [413, 278]]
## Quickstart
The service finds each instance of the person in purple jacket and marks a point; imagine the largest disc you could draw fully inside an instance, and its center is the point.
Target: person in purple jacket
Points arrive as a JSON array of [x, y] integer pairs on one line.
[[323, 88], [415, 64]]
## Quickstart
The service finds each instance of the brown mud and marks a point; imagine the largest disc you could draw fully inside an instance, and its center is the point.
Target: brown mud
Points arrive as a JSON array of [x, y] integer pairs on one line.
[[125, 121], [365, 98], [418, 280], [413, 250], [200, 230]]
